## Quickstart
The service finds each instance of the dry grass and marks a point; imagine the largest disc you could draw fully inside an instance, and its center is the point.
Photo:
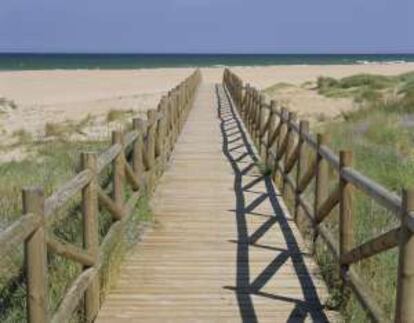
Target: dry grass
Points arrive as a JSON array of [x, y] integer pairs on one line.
[[23, 136], [67, 128], [114, 115]]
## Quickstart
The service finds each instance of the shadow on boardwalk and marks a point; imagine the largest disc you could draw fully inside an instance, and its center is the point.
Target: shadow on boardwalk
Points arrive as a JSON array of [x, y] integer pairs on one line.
[[238, 150]]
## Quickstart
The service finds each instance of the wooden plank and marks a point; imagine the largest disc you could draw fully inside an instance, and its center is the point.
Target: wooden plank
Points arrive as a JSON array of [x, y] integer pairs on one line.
[[190, 261]]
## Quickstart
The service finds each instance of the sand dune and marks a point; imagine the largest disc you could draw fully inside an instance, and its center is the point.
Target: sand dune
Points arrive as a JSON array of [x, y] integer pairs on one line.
[[61, 95]]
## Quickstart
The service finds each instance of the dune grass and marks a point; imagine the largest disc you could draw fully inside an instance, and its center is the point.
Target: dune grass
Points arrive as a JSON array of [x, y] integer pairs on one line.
[[114, 114], [67, 128], [22, 136], [365, 87], [55, 162], [380, 134]]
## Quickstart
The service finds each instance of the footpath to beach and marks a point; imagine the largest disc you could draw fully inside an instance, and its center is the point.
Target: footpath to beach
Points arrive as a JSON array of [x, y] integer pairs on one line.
[[225, 247]]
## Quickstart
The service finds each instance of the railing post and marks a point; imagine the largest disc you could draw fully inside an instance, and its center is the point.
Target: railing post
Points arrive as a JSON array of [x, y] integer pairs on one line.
[[301, 167], [256, 127], [405, 286], [160, 148], [252, 113], [262, 121], [137, 150], [170, 126], [118, 170], [288, 151], [345, 206], [271, 130], [36, 259], [244, 105], [345, 219], [321, 175], [180, 109], [175, 109], [150, 148], [279, 141], [90, 231]]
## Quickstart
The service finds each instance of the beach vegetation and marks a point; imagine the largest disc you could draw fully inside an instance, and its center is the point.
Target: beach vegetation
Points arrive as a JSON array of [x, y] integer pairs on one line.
[[366, 87], [7, 104], [23, 136], [52, 164], [67, 128], [380, 133], [116, 114]]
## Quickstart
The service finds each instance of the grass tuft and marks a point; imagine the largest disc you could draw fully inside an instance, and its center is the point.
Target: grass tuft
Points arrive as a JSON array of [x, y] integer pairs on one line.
[[114, 115], [360, 87], [67, 128], [23, 136]]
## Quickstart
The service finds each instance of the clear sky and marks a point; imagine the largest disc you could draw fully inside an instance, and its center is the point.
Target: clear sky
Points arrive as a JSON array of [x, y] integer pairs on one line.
[[212, 26]]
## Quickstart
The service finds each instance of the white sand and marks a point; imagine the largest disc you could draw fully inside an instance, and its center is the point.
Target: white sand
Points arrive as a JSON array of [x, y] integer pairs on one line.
[[59, 95]]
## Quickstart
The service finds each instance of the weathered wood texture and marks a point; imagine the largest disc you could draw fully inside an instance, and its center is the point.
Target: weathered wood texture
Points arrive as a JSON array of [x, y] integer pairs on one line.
[[224, 248], [286, 132], [149, 140]]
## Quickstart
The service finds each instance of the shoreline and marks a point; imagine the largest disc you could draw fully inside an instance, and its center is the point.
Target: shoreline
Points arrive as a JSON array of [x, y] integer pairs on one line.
[[215, 66]]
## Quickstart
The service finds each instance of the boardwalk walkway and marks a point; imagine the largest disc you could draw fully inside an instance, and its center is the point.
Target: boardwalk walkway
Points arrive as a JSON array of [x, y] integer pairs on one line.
[[224, 248]]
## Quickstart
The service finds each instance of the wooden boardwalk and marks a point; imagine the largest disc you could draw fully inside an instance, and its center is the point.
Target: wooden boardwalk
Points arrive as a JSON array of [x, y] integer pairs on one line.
[[224, 247]]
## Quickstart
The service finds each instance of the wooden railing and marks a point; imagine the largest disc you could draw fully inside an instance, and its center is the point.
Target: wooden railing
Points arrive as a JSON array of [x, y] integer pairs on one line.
[[287, 147], [149, 146]]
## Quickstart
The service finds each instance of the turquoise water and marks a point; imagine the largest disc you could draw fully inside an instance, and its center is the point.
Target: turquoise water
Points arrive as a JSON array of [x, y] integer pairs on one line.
[[130, 61]]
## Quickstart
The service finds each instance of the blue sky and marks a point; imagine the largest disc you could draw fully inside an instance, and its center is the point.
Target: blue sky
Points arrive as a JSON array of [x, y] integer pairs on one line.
[[223, 26]]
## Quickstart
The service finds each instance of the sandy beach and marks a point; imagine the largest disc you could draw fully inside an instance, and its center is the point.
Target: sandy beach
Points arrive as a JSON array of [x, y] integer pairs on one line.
[[58, 96]]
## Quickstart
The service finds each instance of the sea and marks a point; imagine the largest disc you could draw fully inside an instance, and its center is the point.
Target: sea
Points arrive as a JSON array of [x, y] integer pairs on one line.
[[35, 61]]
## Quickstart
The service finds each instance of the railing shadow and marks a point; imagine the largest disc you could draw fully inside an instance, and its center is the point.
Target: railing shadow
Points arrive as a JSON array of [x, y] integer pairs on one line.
[[243, 159]]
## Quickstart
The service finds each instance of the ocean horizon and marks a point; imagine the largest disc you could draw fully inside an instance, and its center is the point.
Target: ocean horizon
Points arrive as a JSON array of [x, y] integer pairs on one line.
[[45, 61]]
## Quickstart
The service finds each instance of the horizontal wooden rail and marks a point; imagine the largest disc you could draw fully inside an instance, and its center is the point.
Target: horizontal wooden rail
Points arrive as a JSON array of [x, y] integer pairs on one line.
[[149, 146], [65, 193], [18, 232], [370, 248], [69, 251], [278, 137]]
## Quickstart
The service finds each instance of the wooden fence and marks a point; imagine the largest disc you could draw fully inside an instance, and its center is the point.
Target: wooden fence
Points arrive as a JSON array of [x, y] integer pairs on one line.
[[287, 147], [150, 142]]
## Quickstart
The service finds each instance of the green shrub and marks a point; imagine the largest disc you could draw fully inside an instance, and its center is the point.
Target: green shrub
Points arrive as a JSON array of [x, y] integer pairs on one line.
[[369, 80], [326, 82]]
